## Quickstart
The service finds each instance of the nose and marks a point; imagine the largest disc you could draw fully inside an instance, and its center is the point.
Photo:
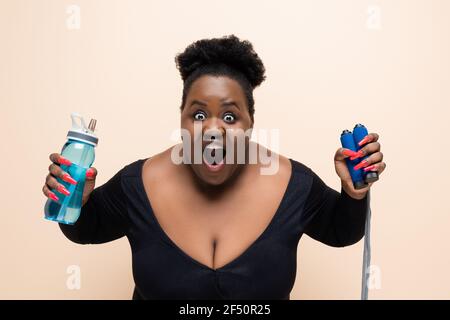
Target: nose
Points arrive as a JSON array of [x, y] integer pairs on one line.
[[213, 129]]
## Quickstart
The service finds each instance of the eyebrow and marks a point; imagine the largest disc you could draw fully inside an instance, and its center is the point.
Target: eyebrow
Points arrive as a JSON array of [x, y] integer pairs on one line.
[[224, 104]]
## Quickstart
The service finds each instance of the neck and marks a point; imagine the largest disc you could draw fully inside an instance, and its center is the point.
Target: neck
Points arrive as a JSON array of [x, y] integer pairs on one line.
[[212, 191]]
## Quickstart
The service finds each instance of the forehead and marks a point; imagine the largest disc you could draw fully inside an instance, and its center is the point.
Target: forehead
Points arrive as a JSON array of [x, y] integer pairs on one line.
[[209, 87]]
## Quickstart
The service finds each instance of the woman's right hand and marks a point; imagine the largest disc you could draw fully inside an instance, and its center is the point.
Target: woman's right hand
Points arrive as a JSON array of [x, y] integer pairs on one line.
[[55, 171]]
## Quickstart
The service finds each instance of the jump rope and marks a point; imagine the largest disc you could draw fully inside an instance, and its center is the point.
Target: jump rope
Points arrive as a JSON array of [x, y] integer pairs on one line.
[[361, 179]]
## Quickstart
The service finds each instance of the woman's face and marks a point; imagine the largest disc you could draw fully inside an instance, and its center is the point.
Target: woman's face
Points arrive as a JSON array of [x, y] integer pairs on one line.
[[216, 106]]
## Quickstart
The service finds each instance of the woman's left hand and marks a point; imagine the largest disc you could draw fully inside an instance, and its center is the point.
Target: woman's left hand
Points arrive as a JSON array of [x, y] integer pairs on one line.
[[374, 162]]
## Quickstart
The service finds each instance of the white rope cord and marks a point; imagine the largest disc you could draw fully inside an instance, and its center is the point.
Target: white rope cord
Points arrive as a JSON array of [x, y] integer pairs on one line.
[[366, 253]]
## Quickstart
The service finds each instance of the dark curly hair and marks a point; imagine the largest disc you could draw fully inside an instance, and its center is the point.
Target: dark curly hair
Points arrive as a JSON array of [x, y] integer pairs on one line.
[[227, 56]]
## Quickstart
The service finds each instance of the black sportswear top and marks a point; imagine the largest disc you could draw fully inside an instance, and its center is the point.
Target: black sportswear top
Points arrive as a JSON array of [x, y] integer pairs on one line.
[[265, 270]]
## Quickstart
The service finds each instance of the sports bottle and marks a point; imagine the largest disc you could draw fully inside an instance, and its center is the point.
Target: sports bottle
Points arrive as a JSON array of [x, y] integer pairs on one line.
[[79, 149]]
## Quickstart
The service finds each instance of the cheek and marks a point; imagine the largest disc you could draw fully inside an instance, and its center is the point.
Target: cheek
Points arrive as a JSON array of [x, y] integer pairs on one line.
[[185, 123], [239, 136], [187, 129]]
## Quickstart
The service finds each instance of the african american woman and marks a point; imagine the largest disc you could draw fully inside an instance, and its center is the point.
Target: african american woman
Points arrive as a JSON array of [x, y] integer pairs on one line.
[[219, 229]]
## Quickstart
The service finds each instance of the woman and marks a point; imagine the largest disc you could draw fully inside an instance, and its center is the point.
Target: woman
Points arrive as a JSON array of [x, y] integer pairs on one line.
[[218, 229]]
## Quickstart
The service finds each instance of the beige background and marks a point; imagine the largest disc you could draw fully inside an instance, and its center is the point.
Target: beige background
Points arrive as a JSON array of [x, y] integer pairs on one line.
[[328, 67]]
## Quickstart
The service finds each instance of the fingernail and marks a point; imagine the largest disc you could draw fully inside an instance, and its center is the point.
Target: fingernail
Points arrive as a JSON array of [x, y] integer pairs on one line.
[[372, 167], [359, 154], [63, 190], [67, 178], [361, 165], [90, 173], [64, 161], [350, 153], [364, 140], [52, 196]]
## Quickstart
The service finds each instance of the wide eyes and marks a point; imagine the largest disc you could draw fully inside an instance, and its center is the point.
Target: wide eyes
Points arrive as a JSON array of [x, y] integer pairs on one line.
[[227, 117], [199, 116]]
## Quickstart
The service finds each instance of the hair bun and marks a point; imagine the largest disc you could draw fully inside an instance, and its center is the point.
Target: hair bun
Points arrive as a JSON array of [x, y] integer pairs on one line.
[[228, 50]]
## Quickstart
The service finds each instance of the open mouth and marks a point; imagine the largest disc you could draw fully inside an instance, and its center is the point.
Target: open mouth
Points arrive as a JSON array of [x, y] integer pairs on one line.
[[214, 158]]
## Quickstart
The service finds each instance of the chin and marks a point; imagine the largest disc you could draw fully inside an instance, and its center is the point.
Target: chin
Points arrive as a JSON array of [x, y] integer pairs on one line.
[[212, 178], [214, 181]]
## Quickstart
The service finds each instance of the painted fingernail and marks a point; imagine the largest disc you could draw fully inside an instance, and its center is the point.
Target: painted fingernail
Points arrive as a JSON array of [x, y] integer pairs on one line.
[[52, 196], [63, 190], [67, 178], [349, 153], [365, 140], [359, 154], [372, 167], [64, 161], [90, 173], [361, 165]]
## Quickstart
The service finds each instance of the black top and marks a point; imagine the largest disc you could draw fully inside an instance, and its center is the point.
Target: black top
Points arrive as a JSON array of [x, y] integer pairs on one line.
[[265, 270]]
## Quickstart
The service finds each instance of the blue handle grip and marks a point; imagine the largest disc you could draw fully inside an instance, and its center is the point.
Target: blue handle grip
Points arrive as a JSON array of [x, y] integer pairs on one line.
[[347, 141], [359, 132]]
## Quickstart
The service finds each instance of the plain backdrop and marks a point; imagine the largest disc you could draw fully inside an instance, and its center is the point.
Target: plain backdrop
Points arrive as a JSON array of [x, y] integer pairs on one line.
[[330, 64]]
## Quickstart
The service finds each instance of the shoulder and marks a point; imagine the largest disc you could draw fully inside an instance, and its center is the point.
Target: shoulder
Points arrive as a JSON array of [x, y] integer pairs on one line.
[[303, 177], [286, 165], [132, 169], [300, 167], [137, 167], [306, 176], [159, 167]]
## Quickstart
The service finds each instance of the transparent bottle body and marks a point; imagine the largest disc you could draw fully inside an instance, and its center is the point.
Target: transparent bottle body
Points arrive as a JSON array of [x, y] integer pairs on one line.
[[67, 208]]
